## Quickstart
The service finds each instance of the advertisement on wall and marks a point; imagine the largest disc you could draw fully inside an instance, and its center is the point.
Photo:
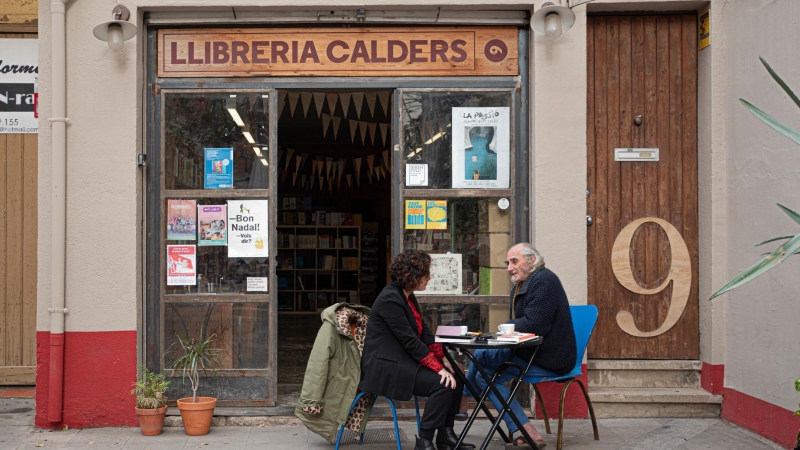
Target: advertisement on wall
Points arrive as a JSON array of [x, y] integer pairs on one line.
[[181, 265], [218, 168], [481, 148], [180, 220], [445, 275], [19, 72], [211, 225], [248, 224]]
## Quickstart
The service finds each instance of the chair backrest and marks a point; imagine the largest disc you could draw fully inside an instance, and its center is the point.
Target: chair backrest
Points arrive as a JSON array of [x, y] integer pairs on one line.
[[584, 318]]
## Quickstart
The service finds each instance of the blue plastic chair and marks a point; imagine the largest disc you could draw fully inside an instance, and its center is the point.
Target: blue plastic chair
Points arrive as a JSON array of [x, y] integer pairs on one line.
[[394, 419], [584, 319]]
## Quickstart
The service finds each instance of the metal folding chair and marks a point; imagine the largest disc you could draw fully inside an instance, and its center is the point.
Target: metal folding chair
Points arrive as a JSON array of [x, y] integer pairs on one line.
[[394, 419]]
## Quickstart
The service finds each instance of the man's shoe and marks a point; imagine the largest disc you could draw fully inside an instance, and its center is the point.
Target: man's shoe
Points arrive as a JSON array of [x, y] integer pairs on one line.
[[446, 439], [424, 444]]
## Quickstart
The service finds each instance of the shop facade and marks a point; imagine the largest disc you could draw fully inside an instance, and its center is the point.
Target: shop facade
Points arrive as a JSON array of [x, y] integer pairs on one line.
[[252, 166]]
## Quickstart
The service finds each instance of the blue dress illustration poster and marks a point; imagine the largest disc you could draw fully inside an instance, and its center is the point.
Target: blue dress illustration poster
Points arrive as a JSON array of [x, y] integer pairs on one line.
[[481, 147], [218, 168]]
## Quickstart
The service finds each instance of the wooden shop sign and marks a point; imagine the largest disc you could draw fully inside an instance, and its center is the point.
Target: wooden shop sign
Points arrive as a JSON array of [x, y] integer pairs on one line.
[[441, 51]]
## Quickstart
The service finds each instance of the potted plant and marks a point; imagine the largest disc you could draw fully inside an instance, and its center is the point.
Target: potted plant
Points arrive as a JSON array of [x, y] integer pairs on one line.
[[198, 356], [151, 403]]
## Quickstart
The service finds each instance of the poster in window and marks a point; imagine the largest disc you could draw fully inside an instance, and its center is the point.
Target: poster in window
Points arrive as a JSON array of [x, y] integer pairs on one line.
[[248, 225], [181, 224], [19, 86], [181, 265], [445, 275], [218, 168], [436, 214], [212, 229], [481, 147], [415, 214]]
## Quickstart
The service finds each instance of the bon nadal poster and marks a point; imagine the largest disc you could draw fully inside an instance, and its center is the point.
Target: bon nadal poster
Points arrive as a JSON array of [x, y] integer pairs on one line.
[[248, 226]]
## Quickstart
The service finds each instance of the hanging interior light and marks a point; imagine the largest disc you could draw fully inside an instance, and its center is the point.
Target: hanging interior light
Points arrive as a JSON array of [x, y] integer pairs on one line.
[[230, 105], [118, 30], [552, 20]]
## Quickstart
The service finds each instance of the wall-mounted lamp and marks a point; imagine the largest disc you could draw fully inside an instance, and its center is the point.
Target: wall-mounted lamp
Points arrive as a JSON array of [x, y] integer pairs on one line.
[[552, 20], [117, 31]]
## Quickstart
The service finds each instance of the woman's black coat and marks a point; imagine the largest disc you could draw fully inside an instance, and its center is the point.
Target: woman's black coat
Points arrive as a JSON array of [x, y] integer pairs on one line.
[[392, 351]]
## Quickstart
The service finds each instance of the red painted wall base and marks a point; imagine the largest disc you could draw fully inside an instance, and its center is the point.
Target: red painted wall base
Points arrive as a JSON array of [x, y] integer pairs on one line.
[[766, 419], [712, 377], [99, 368], [574, 404]]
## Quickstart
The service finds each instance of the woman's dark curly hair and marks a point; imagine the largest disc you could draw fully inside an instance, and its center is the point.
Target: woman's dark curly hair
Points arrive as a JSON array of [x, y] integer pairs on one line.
[[409, 268]]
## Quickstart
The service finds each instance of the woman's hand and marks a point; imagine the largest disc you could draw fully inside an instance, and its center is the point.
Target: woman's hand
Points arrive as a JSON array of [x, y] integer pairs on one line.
[[447, 365], [447, 379]]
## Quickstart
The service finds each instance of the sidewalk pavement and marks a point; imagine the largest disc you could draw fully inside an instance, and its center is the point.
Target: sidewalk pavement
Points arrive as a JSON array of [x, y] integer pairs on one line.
[[17, 432]]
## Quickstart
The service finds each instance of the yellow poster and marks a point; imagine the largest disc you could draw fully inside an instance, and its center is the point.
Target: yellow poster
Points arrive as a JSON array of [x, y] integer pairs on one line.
[[415, 214], [704, 30], [437, 214]]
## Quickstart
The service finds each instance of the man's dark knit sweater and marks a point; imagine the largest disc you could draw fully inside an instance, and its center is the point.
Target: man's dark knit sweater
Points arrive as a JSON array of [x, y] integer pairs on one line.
[[542, 307]]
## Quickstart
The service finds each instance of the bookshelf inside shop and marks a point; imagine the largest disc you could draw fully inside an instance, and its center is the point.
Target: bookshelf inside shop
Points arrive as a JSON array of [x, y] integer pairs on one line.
[[319, 256]]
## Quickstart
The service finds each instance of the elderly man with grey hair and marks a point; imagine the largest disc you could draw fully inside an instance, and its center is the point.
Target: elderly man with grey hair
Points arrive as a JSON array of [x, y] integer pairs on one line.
[[539, 305]]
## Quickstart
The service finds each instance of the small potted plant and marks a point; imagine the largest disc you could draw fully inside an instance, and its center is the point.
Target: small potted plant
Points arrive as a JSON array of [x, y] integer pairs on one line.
[[198, 356], [151, 403]]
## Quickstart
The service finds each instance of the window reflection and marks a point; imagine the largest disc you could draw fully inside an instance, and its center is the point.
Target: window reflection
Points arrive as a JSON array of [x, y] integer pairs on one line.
[[428, 134], [195, 122]]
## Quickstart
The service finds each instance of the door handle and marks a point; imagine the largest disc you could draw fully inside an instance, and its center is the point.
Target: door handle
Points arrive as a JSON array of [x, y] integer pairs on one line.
[[589, 220]]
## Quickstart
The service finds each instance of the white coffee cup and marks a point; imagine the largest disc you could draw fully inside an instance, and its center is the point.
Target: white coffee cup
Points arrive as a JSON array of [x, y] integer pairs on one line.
[[464, 330], [506, 328]]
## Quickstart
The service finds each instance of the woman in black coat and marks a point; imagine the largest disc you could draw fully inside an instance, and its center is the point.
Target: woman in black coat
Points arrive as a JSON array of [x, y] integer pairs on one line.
[[401, 359]]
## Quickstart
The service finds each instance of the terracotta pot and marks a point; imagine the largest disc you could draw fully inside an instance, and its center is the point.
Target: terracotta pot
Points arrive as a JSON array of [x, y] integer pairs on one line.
[[197, 416], [151, 421]]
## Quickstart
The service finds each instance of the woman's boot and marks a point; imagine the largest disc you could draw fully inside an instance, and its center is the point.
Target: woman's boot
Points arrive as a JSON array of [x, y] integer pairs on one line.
[[446, 439]]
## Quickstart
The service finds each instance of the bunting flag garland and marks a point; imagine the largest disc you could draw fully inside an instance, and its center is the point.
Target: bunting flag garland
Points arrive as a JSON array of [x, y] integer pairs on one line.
[[293, 97], [336, 122], [313, 167], [332, 97], [321, 181], [386, 158], [306, 97], [312, 179], [358, 101], [283, 175], [319, 101], [372, 127], [370, 162], [353, 128], [294, 179], [371, 97], [363, 127], [303, 161], [289, 153], [383, 96], [330, 184], [357, 164], [345, 99], [328, 162], [383, 173], [302, 181], [369, 176], [281, 104], [326, 122], [297, 159], [384, 131], [349, 181]]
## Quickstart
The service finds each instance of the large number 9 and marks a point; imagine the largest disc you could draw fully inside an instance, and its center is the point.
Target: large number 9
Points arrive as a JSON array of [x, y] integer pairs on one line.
[[680, 273]]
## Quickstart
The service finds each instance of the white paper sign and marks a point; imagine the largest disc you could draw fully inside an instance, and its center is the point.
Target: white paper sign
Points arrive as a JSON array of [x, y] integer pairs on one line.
[[19, 70], [416, 174], [481, 148], [257, 284], [248, 226], [445, 275], [181, 265]]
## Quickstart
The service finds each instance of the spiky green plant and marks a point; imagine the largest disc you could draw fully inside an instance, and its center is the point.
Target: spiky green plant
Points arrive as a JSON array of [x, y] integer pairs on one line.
[[149, 389], [198, 356], [792, 244]]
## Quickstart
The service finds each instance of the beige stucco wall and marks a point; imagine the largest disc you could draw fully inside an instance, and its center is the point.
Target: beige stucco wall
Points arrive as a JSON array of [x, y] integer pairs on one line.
[[761, 317]]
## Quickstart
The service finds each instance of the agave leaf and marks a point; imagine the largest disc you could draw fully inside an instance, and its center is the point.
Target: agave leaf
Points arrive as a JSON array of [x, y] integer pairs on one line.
[[783, 85], [773, 123], [790, 213], [763, 265], [778, 238]]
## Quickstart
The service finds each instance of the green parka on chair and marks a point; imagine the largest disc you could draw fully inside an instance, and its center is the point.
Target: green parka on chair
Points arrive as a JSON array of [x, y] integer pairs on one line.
[[334, 371]]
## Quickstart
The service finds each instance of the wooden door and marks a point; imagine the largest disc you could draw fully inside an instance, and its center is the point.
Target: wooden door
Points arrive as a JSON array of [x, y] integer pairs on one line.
[[648, 300], [18, 214]]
